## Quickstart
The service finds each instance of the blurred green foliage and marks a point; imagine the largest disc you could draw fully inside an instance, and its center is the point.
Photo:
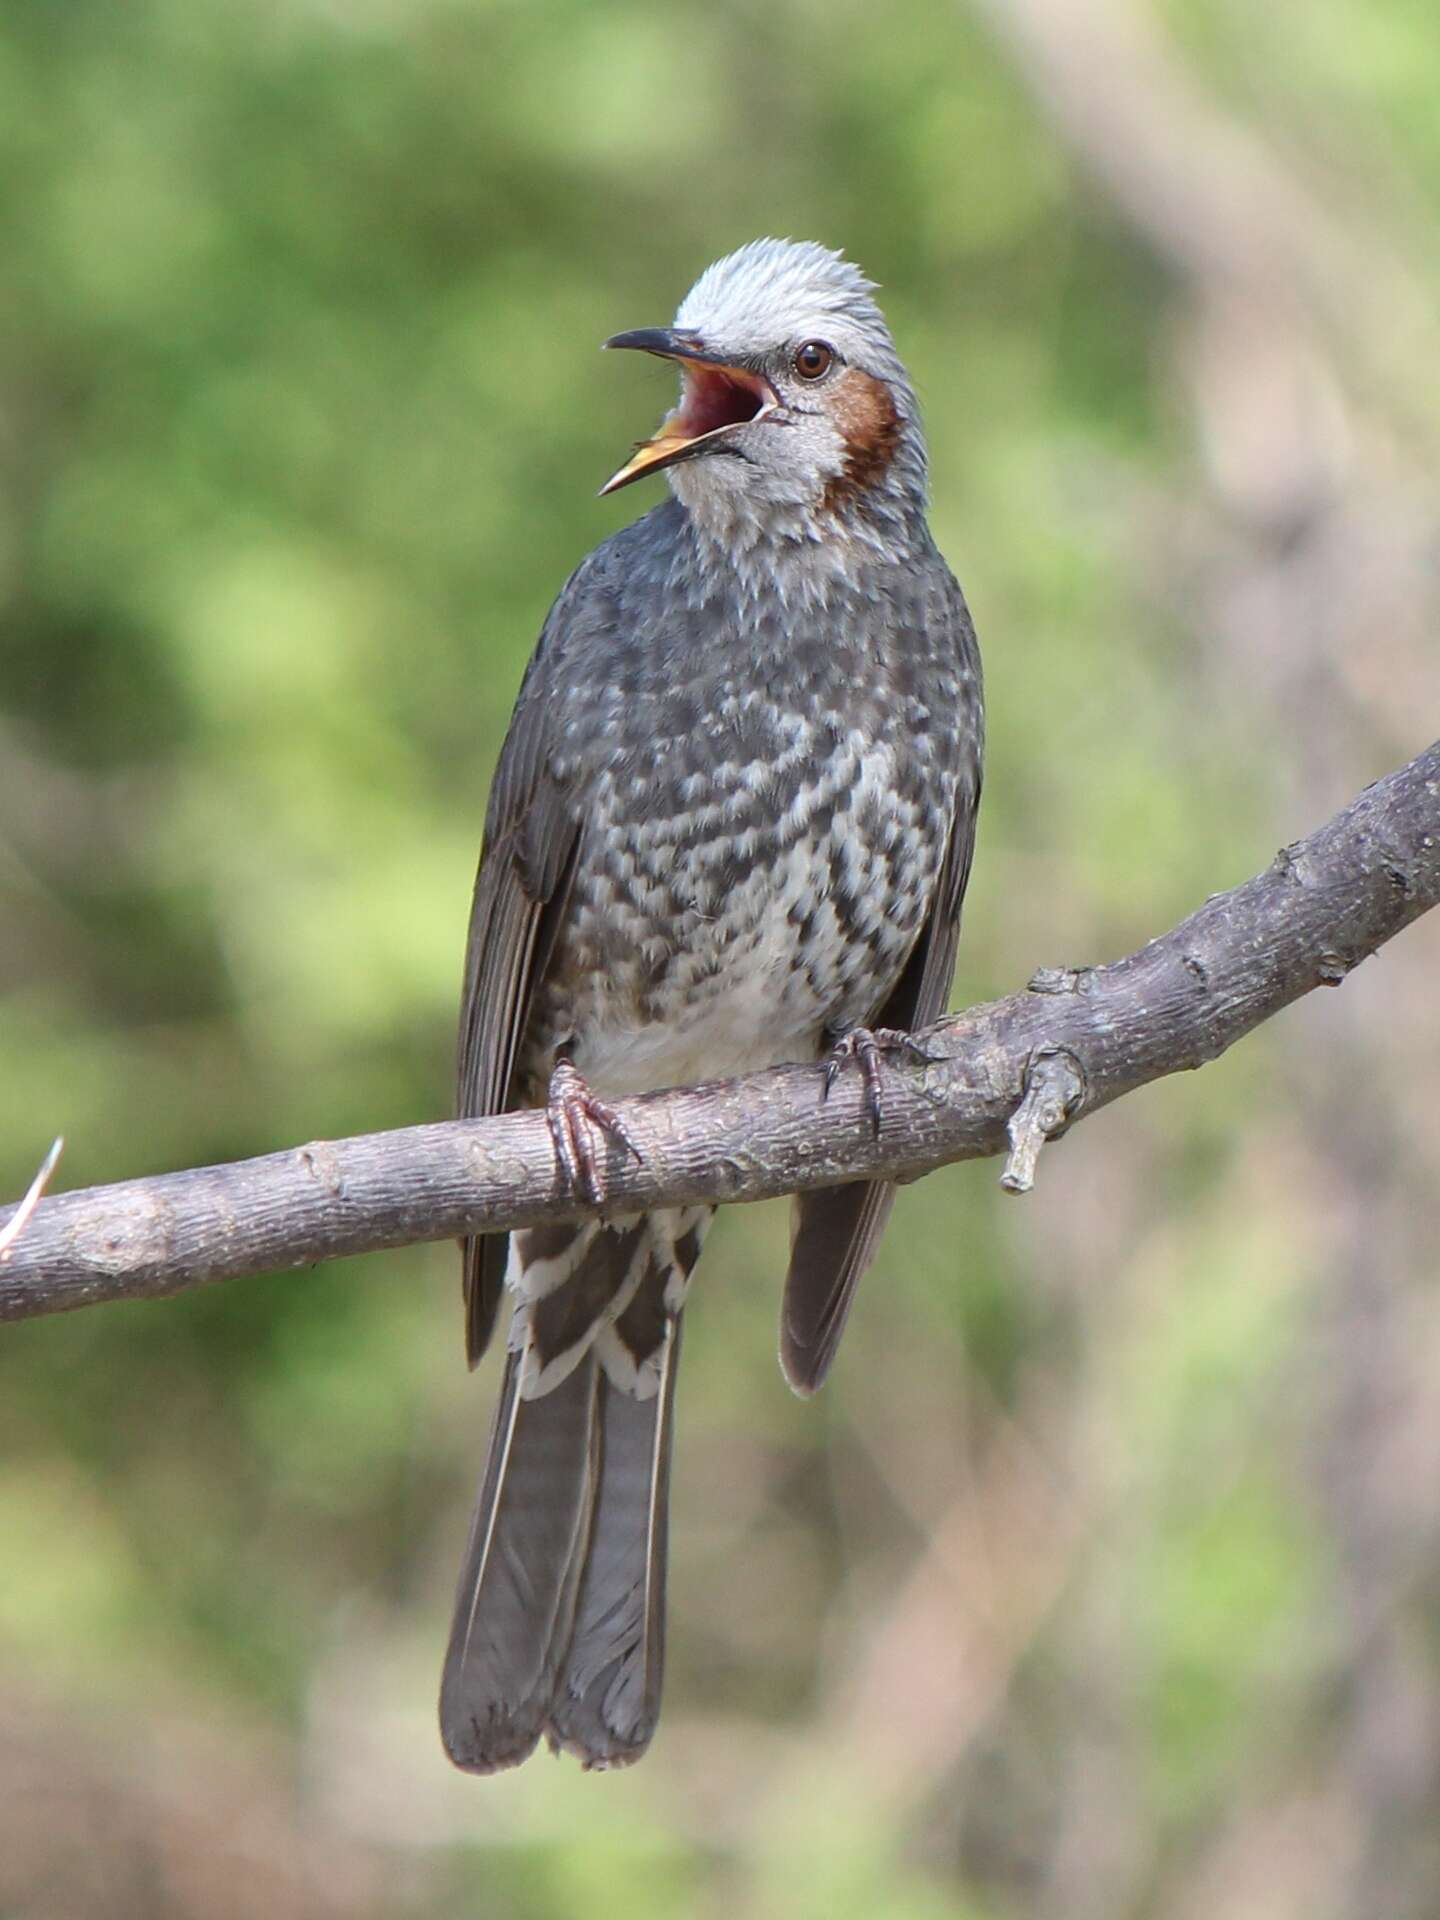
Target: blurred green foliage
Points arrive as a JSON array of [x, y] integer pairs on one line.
[[301, 420]]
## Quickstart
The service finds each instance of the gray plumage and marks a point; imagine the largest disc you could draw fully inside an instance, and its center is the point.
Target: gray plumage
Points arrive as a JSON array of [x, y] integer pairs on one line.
[[732, 822]]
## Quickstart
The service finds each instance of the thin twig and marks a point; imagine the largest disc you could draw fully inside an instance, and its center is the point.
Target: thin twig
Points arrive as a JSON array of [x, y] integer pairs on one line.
[[15, 1225]]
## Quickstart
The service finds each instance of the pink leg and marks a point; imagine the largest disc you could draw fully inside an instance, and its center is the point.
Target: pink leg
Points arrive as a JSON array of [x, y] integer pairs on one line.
[[575, 1116]]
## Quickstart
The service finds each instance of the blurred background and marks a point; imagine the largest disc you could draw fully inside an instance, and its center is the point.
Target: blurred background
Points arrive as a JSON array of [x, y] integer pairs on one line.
[[1104, 1578]]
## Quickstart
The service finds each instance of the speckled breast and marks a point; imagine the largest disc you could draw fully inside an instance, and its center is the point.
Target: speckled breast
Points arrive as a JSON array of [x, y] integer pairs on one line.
[[733, 903]]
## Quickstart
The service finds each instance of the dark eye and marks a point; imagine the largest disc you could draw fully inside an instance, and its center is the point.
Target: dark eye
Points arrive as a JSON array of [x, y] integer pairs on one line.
[[813, 360]]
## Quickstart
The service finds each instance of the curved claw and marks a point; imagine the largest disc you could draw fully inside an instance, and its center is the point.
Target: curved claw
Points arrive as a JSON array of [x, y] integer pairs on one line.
[[869, 1045], [575, 1115]]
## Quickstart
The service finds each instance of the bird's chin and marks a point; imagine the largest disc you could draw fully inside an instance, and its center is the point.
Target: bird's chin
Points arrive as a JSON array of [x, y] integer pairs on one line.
[[739, 499], [720, 469]]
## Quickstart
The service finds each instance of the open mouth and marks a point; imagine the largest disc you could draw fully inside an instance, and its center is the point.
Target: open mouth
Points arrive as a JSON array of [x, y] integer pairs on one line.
[[714, 399]]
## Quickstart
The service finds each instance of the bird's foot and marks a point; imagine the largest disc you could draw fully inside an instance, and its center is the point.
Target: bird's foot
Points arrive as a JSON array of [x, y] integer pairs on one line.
[[578, 1121], [869, 1045]]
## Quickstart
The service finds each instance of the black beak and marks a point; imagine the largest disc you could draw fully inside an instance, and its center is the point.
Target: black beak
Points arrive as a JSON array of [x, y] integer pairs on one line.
[[668, 343], [662, 340]]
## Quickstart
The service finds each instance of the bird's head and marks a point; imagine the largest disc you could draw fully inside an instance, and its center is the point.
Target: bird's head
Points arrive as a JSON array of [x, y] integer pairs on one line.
[[793, 406]]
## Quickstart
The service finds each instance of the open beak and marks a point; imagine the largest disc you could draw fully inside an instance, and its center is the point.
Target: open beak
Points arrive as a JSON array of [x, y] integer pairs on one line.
[[717, 397]]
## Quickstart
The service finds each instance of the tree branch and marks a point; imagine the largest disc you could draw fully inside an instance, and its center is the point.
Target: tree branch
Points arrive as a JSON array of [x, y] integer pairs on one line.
[[1012, 1073]]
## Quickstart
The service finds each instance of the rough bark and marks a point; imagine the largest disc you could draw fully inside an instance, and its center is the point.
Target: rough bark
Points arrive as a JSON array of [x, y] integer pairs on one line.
[[1007, 1075]]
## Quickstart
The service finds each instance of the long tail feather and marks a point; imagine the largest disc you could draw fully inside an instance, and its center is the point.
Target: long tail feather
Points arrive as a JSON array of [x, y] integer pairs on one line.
[[609, 1700], [559, 1619], [516, 1599]]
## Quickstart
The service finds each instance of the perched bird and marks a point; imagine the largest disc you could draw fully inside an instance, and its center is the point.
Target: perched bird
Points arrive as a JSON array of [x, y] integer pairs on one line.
[[731, 826]]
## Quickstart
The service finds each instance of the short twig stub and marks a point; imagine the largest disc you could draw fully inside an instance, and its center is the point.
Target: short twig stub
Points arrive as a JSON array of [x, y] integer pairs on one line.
[[1054, 1087]]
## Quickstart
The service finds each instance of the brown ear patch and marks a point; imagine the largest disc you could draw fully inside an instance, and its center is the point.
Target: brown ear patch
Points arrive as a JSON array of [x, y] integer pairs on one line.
[[863, 411]]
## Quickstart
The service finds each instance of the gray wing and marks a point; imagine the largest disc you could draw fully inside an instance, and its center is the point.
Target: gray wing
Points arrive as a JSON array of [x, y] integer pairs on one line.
[[837, 1229], [532, 832]]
